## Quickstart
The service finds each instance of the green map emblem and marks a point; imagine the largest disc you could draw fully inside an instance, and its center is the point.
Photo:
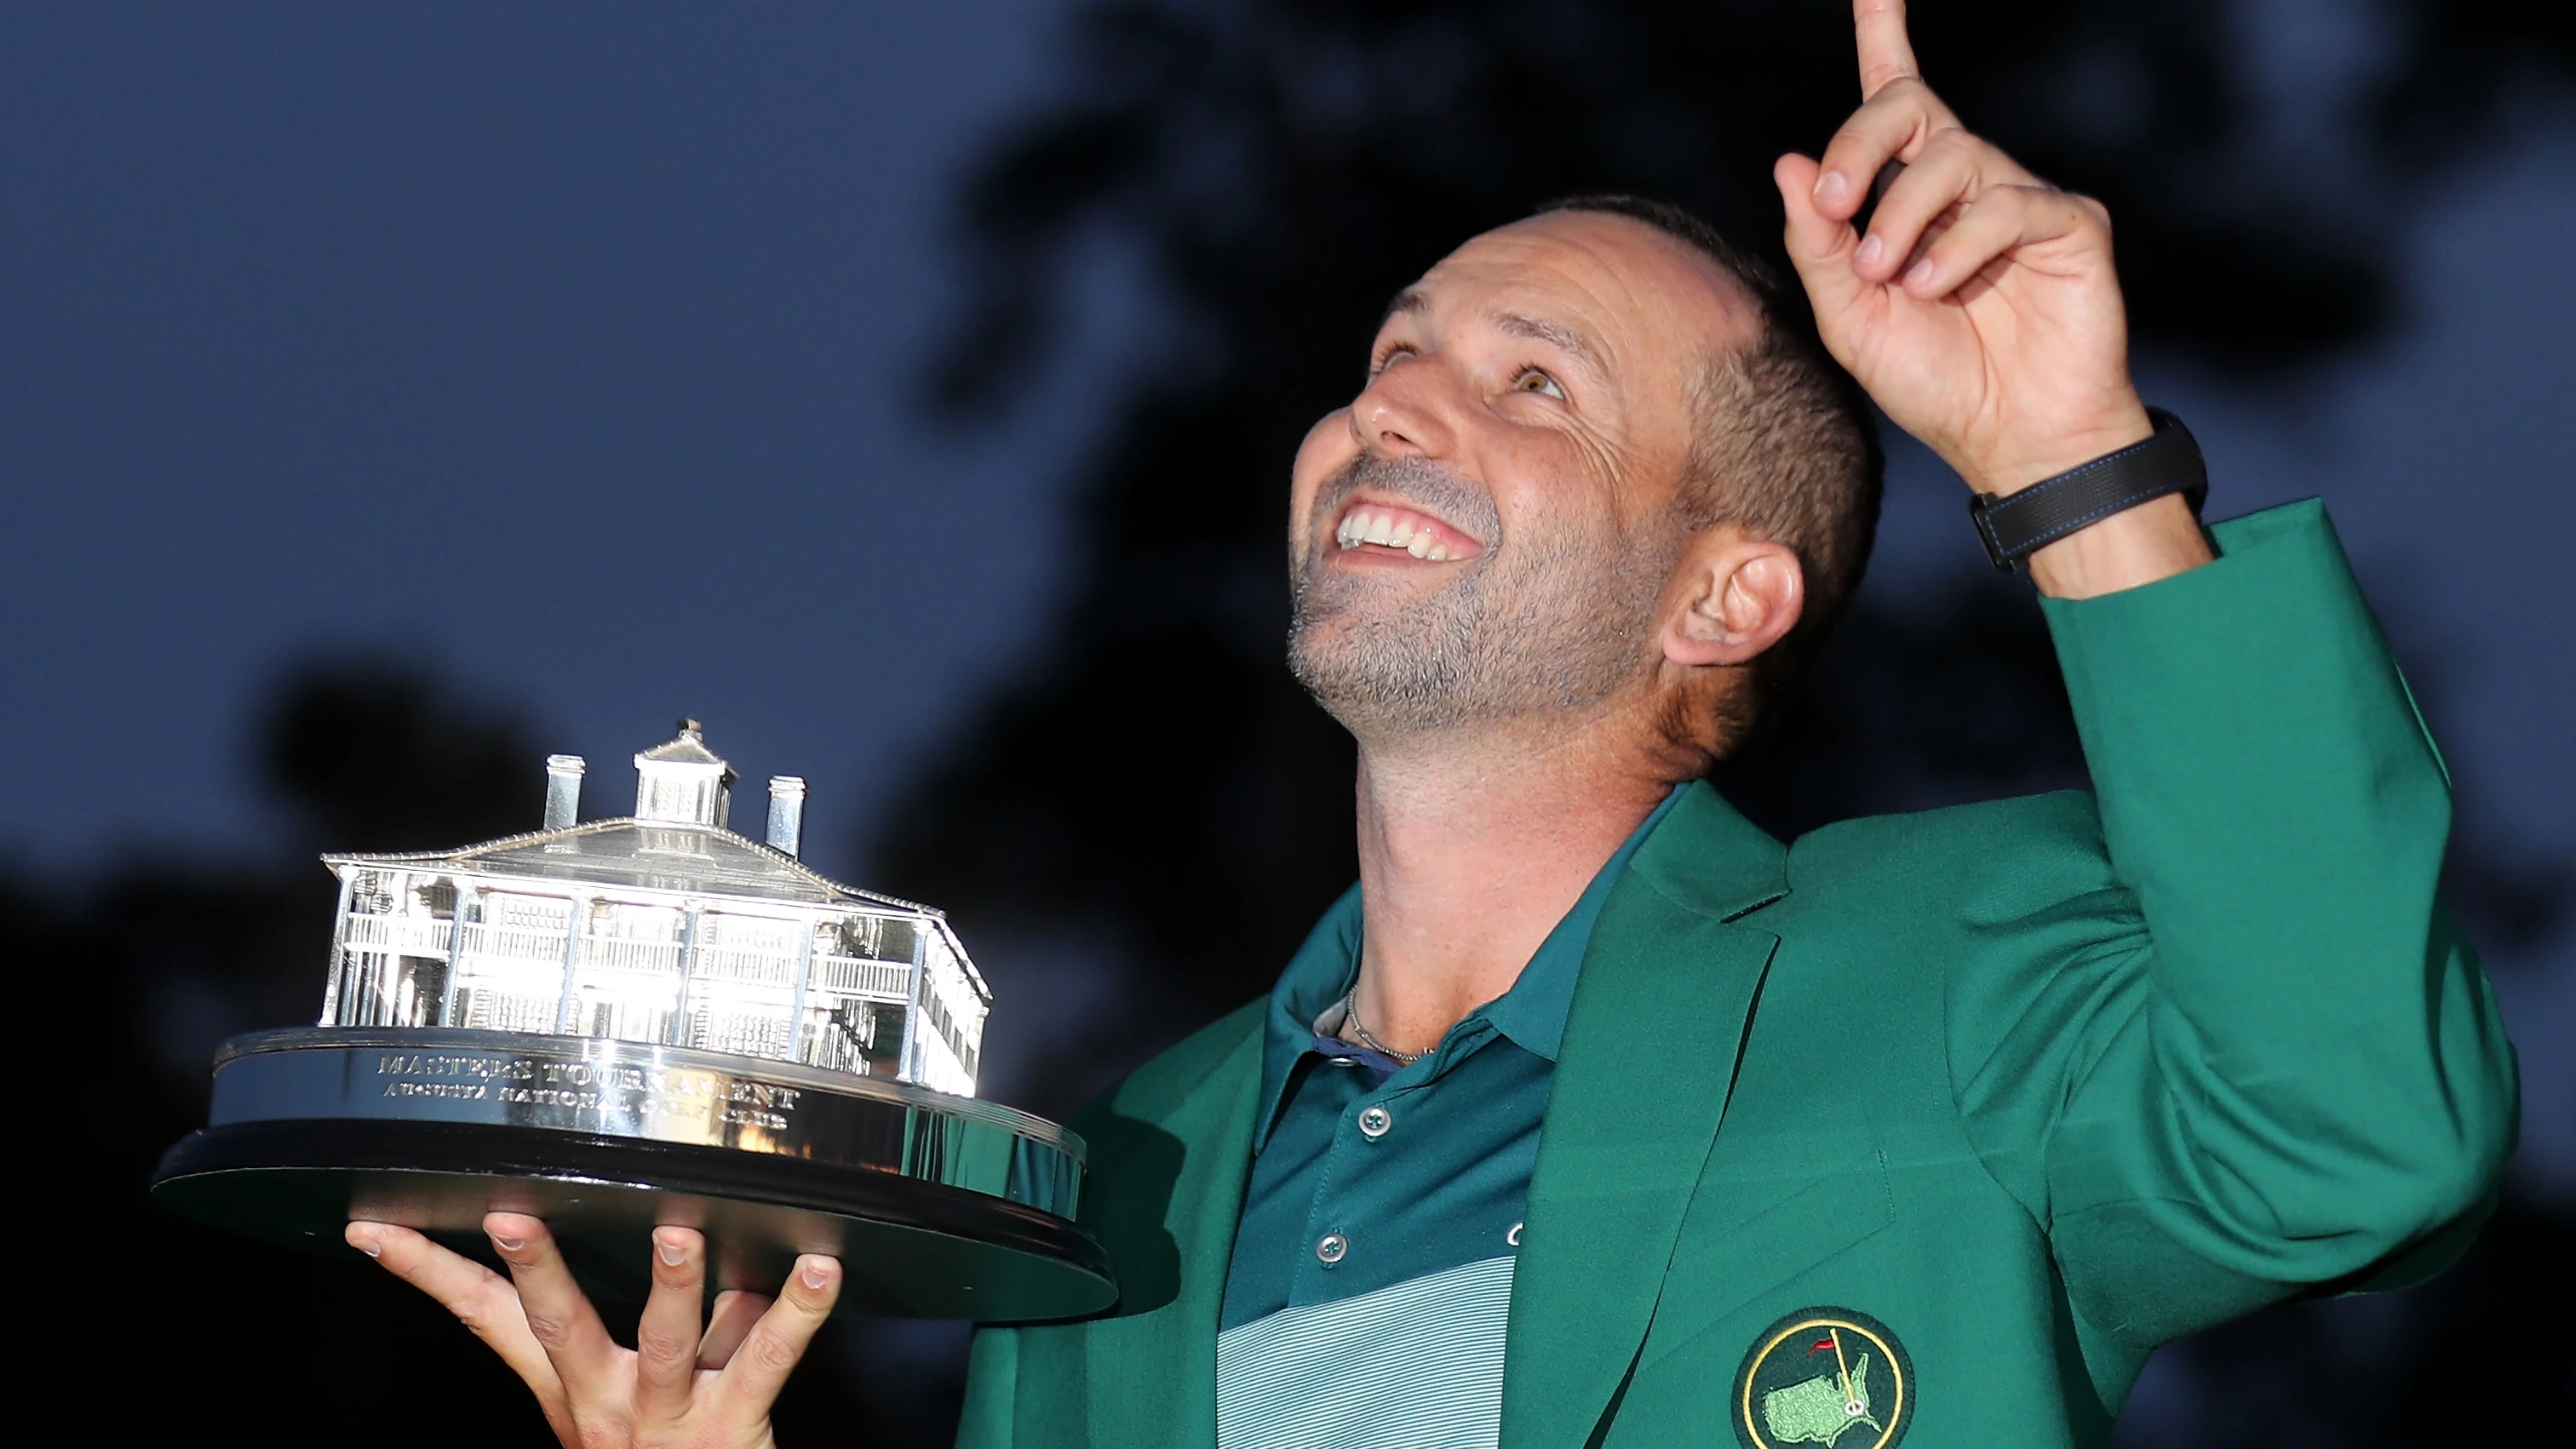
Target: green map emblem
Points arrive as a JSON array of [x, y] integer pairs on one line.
[[1825, 1376]]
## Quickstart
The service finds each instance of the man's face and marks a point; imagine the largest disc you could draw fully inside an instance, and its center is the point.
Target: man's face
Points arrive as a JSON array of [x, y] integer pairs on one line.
[[1486, 530]]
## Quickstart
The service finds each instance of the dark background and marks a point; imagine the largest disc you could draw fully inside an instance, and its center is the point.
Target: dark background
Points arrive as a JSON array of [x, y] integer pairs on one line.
[[389, 396]]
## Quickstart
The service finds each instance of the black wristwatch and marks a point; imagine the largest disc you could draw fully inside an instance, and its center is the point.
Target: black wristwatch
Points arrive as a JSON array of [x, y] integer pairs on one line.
[[2014, 525]]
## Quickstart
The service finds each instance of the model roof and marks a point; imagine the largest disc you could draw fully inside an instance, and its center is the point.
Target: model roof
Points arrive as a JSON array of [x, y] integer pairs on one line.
[[650, 855]]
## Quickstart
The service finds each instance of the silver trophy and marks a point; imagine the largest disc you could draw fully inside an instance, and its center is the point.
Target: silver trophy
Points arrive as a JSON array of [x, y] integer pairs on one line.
[[620, 1024]]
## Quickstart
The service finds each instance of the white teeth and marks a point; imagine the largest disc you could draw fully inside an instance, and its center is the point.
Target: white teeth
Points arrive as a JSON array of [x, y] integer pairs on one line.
[[1368, 525]]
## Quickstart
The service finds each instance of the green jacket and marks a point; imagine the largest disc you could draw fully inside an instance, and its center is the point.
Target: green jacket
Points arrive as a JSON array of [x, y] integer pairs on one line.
[[2032, 1086]]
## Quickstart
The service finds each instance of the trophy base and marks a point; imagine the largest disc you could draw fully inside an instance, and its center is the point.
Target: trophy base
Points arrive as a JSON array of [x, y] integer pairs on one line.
[[909, 1249], [316, 1128]]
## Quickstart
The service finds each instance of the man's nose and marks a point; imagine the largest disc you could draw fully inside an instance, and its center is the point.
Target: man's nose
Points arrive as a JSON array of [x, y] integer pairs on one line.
[[1407, 410]]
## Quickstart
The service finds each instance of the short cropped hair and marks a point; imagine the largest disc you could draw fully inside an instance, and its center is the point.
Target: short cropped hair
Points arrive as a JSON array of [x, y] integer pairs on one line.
[[1784, 445]]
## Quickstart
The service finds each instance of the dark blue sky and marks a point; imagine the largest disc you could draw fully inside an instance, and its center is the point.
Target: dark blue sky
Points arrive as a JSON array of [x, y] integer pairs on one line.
[[572, 350]]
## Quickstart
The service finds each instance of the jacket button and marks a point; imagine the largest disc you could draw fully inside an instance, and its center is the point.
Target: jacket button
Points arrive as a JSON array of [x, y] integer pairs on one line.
[[1375, 1122], [1332, 1248]]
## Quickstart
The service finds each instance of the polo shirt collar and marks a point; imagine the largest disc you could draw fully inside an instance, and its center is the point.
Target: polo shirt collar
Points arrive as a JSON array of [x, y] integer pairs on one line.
[[1317, 976], [1532, 1013]]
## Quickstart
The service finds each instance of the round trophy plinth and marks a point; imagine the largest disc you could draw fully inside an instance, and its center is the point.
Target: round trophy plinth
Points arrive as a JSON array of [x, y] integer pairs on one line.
[[937, 1206]]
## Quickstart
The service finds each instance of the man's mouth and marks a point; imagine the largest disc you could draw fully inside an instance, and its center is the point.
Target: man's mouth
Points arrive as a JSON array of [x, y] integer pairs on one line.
[[1388, 528]]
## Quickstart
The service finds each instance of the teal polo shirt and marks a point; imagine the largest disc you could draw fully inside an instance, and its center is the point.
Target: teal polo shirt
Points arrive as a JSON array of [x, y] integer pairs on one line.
[[1366, 1300]]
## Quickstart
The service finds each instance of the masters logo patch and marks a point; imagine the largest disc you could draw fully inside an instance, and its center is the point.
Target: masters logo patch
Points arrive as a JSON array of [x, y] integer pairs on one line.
[[1825, 1376]]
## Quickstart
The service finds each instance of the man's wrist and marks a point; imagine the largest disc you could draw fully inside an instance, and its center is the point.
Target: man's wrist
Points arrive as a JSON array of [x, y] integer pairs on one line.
[[2107, 521], [2007, 472], [2015, 526], [2155, 540]]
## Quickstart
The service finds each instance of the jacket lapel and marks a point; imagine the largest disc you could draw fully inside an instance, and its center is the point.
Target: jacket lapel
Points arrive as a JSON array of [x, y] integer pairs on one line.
[[1181, 1151], [1650, 1048]]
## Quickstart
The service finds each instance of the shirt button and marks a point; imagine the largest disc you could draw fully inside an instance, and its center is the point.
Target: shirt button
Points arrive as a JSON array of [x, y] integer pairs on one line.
[[1375, 1121], [1332, 1248]]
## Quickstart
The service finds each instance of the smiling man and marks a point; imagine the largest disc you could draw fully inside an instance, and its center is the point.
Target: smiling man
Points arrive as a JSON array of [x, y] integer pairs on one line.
[[1594, 1116]]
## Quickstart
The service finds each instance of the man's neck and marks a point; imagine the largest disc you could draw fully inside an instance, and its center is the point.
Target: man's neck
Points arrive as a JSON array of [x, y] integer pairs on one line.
[[1471, 850]]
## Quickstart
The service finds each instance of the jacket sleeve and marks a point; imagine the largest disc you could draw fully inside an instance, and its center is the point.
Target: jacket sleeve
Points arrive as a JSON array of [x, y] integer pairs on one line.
[[2256, 1058]]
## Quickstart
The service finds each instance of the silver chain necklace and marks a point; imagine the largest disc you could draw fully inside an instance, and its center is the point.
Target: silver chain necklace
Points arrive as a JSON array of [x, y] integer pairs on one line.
[[1351, 1019]]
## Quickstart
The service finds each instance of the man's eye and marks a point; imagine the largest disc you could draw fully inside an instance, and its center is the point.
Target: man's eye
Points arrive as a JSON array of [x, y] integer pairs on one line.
[[1533, 380], [1387, 358]]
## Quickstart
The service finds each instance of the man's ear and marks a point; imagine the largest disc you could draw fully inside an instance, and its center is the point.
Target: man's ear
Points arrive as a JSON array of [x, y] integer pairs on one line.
[[1732, 597]]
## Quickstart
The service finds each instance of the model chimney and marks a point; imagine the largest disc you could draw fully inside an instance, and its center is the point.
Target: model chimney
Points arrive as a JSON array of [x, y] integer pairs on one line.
[[786, 812], [563, 790]]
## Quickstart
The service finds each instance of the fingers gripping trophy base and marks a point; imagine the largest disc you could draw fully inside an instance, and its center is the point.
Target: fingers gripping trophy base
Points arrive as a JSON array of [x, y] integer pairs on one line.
[[937, 1206]]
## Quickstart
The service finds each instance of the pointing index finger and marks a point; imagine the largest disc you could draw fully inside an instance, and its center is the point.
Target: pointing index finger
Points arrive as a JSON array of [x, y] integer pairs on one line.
[[1885, 52]]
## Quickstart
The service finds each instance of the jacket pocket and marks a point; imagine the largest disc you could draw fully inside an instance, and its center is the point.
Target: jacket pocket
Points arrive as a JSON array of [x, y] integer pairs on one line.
[[1749, 1232]]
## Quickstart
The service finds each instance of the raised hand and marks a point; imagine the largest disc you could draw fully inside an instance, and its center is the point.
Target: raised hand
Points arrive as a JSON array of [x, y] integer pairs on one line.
[[679, 1386], [1981, 309]]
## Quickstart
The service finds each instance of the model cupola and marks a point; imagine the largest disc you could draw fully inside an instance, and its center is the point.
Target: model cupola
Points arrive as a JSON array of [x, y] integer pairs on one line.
[[683, 782]]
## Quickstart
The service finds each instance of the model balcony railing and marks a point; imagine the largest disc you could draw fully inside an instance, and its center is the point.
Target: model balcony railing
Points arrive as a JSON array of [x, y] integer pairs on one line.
[[609, 953], [499, 946], [404, 935], [857, 976], [514, 943], [758, 968]]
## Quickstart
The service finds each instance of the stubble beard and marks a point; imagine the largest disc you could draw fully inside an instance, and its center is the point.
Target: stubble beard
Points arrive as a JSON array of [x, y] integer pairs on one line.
[[1551, 623]]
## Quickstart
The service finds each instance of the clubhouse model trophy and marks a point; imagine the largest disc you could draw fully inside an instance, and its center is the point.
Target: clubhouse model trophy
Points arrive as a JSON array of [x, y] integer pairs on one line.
[[619, 1024]]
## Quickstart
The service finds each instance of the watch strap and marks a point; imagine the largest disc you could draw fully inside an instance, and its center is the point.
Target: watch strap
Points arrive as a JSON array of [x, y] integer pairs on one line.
[[2014, 525]]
